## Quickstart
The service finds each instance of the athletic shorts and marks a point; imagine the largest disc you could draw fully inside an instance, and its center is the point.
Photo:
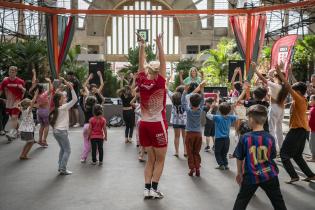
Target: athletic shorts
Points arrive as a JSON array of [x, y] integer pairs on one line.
[[13, 112], [153, 134], [209, 129], [43, 116]]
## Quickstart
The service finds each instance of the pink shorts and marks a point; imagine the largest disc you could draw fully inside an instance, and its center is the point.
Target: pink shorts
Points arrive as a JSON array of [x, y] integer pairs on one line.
[[153, 134]]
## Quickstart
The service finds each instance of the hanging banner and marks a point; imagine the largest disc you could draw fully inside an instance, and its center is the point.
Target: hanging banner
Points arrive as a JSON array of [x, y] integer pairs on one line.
[[282, 52], [239, 27], [66, 28]]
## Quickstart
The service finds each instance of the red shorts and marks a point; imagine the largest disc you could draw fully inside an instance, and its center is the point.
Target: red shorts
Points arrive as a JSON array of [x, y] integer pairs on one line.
[[152, 134], [13, 111]]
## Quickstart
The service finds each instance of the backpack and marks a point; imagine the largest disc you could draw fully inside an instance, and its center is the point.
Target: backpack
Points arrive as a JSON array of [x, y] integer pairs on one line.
[[115, 121]]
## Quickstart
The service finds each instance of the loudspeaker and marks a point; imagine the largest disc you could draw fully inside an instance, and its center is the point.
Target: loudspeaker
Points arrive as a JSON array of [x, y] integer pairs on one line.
[[223, 90], [233, 64], [94, 67]]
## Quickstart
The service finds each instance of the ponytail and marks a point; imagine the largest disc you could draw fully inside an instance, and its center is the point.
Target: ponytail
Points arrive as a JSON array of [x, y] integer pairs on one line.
[[54, 114]]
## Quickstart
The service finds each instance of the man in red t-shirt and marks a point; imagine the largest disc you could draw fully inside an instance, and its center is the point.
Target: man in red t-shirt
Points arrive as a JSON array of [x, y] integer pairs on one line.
[[13, 88], [152, 127]]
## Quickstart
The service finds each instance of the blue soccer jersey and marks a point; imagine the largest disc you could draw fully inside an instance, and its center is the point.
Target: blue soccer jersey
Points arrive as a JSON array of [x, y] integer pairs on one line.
[[258, 150]]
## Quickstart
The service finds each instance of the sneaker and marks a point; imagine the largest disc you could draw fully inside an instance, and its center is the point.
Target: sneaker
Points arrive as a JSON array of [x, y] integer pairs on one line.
[[146, 194], [76, 125], [93, 163], [100, 163], [226, 168], [83, 160], [220, 167], [66, 172], [207, 148], [156, 194], [2, 133], [12, 134]]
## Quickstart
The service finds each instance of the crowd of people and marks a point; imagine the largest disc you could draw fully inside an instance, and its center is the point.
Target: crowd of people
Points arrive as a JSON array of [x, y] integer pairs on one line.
[[255, 111]]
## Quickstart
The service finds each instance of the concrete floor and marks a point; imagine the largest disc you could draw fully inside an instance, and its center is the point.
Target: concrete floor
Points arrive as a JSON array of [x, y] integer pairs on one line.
[[118, 184]]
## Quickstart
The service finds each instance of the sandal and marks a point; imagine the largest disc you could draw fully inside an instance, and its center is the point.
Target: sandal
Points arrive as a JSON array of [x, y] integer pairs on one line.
[[24, 158], [141, 159], [292, 180], [309, 179]]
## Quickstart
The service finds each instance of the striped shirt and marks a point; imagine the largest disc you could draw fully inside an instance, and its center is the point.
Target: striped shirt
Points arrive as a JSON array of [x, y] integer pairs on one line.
[[258, 150]]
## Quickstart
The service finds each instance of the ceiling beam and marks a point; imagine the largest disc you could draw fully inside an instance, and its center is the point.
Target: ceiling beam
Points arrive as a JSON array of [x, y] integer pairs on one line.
[[307, 3]]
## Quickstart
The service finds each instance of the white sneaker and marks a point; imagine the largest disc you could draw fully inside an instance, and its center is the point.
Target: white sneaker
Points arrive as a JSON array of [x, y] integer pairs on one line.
[[66, 172], [156, 194], [83, 160], [76, 125], [146, 194], [12, 134]]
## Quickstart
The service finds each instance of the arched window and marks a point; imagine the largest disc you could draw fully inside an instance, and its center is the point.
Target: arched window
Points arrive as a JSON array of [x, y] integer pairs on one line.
[[120, 30]]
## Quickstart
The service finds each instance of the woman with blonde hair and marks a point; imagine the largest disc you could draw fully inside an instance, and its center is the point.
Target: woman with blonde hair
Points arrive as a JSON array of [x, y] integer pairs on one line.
[[151, 83]]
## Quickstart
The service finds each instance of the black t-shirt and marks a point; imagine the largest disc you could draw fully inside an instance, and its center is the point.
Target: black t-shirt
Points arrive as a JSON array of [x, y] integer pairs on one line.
[[126, 100], [252, 102]]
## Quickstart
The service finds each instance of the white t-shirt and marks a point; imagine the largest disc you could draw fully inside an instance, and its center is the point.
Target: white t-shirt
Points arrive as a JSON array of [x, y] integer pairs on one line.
[[62, 122], [274, 90]]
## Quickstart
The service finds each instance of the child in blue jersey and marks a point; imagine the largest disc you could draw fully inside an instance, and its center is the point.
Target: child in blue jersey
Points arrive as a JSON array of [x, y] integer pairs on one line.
[[222, 123], [255, 165]]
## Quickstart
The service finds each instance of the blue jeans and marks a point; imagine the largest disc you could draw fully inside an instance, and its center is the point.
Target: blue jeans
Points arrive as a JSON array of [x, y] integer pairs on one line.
[[62, 138]]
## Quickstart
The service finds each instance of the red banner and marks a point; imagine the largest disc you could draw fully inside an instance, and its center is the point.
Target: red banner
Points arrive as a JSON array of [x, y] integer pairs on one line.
[[239, 27], [282, 51]]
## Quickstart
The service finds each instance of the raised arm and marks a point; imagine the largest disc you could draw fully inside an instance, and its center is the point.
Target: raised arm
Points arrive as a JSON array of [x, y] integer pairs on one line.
[[184, 100], [33, 100], [142, 54], [100, 89], [234, 77], [85, 84], [181, 79], [200, 87], [285, 81], [260, 76], [50, 87], [246, 88], [161, 55], [73, 94]]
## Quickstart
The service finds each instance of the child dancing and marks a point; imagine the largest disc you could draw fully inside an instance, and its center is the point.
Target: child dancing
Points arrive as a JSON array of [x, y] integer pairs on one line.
[[255, 153]]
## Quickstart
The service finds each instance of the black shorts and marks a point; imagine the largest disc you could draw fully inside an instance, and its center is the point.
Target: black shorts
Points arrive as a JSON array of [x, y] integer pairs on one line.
[[175, 126], [27, 136], [209, 130]]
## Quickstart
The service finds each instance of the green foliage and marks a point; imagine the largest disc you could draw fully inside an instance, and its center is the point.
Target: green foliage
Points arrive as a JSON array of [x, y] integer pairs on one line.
[[133, 58], [183, 65], [71, 64], [216, 66], [26, 56], [302, 58]]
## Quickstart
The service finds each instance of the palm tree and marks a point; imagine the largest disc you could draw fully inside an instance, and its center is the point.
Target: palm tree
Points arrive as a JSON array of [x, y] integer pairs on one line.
[[216, 66]]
